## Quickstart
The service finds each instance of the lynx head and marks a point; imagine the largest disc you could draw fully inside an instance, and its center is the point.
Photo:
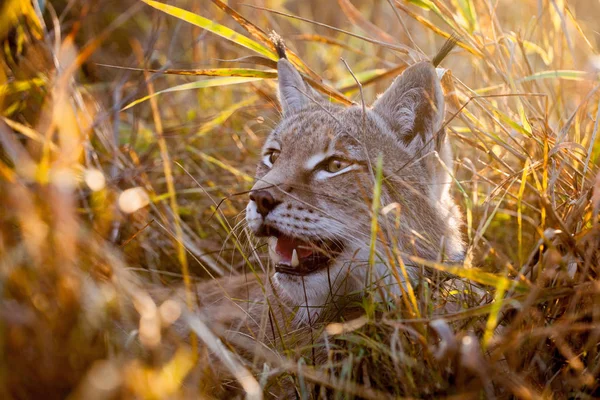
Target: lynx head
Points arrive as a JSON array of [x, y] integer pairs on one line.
[[314, 189]]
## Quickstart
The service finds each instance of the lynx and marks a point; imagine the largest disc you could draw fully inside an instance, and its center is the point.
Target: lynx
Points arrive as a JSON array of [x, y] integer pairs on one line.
[[313, 203]]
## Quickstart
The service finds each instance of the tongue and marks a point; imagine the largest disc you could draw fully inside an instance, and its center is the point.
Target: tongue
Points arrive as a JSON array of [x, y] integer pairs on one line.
[[286, 245]]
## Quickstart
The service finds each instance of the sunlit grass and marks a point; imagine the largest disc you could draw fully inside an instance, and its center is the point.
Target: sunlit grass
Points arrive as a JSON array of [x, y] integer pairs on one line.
[[128, 140]]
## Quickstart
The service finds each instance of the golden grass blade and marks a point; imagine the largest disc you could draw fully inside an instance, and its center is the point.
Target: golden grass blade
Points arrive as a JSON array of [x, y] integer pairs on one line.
[[243, 376], [369, 77], [15, 154], [221, 164], [531, 47], [240, 72], [329, 91], [194, 85], [409, 288], [361, 76], [168, 173], [469, 13], [312, 78], [375, 210], [213, 27], [10, 13], [3, 83], [578, 27], [259, 34], [474, 275], [593, 141], [29, 133], [569, 75], [457, 23], [224, 115], [252, 29], [426, 5], [20, 86], [496, 307], [525, 127], [523, 123], [520, 211], [437, 30]]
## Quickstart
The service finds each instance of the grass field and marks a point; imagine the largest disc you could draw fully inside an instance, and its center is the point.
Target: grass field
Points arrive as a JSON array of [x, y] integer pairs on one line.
[[129, 135]]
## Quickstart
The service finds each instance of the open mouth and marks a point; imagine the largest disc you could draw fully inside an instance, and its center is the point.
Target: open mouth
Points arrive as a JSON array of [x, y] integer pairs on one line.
[[295, 256]]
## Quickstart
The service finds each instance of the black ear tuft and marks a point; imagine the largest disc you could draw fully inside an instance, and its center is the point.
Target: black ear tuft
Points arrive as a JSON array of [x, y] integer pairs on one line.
[[279, 44], [445, 50]]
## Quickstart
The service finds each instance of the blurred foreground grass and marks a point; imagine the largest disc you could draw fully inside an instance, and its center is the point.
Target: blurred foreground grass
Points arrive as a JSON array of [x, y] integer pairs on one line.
[[124, 125]]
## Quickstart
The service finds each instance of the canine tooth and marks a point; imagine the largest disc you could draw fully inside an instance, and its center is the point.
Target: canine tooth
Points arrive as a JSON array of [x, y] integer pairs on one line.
[[272, 250], [295, 260]]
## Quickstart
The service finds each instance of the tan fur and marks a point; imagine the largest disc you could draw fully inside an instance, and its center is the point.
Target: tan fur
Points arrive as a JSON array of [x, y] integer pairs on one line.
[[404, 128]]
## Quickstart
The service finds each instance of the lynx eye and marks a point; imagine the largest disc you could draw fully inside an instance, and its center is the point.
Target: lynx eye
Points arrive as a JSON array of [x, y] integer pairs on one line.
[[336, 165], [332, 167], [270, 157]]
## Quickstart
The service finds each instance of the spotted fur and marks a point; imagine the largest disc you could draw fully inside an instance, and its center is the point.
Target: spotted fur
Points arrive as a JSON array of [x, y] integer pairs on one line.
[[404, 128]]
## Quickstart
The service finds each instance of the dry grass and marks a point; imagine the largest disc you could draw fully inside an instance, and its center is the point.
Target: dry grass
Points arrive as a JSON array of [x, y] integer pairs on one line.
[[100, 203]]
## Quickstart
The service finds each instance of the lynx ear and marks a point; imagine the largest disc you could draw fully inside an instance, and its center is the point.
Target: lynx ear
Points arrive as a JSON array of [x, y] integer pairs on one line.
[[414, 107], [294, 93]]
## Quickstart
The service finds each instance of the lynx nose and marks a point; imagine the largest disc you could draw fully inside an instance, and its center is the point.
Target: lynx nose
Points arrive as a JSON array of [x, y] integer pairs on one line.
[[265, 202]]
